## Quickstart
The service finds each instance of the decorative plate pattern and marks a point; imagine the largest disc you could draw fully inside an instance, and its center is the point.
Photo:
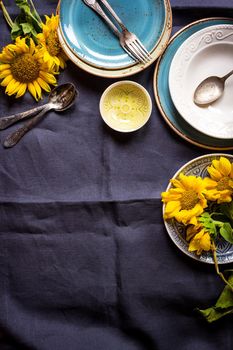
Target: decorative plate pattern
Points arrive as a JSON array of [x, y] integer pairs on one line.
[[162, 93], [197, 58], [125, 106], [129, 67], [176, 231]]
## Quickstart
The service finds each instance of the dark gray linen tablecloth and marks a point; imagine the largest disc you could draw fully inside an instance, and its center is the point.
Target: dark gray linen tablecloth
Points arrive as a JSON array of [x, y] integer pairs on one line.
[[85, 260]]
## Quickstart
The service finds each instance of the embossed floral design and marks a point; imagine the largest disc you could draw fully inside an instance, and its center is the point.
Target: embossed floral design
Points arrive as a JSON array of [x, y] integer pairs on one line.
[[127, 103]]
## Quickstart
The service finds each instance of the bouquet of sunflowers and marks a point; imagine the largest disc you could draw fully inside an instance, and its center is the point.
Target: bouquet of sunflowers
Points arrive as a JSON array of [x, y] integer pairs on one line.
[[32, 62], [205, 207]]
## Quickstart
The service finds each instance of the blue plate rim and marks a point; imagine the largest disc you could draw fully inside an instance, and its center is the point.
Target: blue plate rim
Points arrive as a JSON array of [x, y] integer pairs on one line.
[[123, 72], [167, 8]]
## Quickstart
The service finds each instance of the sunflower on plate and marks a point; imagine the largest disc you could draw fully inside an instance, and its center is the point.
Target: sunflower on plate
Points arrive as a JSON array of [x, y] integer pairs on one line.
[[199, 239], [221, 172], [185, 201], [22, 68], [48, 39]]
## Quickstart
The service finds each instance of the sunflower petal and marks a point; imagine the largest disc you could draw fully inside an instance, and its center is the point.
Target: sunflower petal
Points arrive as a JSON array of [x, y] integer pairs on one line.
[[13, 89], [47, 56], [32, 90], [7, 80], [43, 85], [224, 166], [5, 73], [4, 66], [21, 90], [11, 86], [214, 173], [205, 242], [38, 88]]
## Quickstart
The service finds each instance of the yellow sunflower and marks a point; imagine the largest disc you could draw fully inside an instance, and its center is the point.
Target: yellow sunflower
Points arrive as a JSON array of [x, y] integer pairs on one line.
[[199, 239], [185, 200], [48, 39], [221, 172], [22, 68]]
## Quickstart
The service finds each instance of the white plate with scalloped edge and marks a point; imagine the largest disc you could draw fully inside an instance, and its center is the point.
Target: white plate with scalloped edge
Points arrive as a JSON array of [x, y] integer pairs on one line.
[[205, 53]]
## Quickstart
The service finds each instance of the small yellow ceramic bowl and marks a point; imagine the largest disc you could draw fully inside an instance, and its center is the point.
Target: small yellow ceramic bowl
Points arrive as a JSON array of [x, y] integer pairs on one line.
[[125, 106]]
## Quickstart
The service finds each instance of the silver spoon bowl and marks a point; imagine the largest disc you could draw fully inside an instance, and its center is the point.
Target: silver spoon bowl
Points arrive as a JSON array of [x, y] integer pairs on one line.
[[60, 99], [210, 90]]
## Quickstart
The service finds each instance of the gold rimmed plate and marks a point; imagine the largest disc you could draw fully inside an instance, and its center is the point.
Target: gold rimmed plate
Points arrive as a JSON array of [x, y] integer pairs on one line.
[[162, 93]]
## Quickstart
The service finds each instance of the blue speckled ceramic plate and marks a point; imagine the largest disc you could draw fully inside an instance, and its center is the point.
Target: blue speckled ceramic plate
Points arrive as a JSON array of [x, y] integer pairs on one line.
[[176, 231], [90, 38], [163, 97]]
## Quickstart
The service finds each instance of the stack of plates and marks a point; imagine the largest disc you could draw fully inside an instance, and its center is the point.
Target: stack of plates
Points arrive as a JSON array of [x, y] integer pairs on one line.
[[203, 48], [92, 46]]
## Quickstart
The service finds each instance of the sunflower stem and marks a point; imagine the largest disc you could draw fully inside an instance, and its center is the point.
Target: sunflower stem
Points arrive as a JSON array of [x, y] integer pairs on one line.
[[35, 11], [221, 275], [6, 14]]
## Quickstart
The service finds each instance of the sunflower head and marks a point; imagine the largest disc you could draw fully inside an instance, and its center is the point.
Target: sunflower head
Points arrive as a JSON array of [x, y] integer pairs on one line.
[[199, 239], [48, 39], [185, 200], [221, 172], [22, 68]]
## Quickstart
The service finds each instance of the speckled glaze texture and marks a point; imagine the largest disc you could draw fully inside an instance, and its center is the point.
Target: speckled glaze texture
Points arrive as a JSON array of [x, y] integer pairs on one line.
[[93, 41], [105, 57]]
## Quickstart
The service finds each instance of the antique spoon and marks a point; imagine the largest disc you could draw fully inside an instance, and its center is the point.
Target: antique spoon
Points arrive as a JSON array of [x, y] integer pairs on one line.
[[5, 122], [60, 99], [210, 89]]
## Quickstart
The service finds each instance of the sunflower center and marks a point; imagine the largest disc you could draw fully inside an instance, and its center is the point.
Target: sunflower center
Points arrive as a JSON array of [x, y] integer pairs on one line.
[[25, 68], [223, 184], [188, 200], [53, 44]]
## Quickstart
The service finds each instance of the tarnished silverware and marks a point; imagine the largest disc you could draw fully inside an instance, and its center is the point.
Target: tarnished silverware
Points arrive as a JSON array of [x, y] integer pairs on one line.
[[128, 41], [210, 89], [5, 122], [61, 98]]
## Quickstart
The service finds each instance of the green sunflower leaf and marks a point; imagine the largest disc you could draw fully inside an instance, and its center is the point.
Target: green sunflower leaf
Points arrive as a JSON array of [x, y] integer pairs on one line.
[[27, 28], [28, 22], [227, 210], [208, 223], [223, 306], [226, 232]]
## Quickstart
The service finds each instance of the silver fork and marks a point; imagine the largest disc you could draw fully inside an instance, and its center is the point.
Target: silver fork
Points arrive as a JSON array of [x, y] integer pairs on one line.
[[126, 38], [129, 39]]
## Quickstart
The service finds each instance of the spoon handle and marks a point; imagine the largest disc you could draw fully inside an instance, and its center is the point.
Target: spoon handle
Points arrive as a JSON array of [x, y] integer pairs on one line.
[[113, 13], [97, 8], [10, 120], [16, 136], [225, 77]]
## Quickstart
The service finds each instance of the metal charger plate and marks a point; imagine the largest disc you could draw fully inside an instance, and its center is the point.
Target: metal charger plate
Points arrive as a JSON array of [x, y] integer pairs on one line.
[[123, 71], [163, 97], [176, 231]]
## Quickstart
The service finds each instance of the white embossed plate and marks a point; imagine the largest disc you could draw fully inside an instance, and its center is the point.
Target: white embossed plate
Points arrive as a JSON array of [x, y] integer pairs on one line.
[[176, 231], [205, 53]]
